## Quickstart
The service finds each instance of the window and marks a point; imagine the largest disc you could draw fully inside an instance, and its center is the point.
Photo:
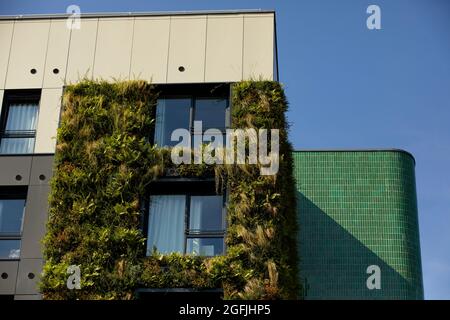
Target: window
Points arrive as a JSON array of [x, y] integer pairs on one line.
[[18, 122], [12, 207], [181, 110], [186, 223], [171, 114], [212, 113]]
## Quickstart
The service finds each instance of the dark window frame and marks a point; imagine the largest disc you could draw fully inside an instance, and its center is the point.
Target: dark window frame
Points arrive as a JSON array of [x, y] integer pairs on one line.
[[194, 92], [13, 193], [188, 187], [18, 96]]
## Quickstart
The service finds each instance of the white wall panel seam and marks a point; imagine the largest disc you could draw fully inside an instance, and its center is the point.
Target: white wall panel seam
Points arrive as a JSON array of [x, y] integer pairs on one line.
[[9, 56], [95, 47], [131, 52], [45, 58], [68, 51], [206, 46], [168, 49], [243, 46]]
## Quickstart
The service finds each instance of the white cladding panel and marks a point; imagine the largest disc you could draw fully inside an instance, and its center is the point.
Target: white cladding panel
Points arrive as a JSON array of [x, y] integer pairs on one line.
[[113, 50], [81, 52], [56, 59], [28, 50], [187, 49], [224, 48], [258, 46], [48, 120], [6, 32], [150, 48]]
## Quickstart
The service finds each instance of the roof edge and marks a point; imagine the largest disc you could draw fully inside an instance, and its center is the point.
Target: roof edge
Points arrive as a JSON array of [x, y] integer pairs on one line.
[[134, 14], [360, 150]]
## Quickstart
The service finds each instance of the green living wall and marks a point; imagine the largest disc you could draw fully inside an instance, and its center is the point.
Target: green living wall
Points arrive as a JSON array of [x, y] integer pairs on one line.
[[104, 166]]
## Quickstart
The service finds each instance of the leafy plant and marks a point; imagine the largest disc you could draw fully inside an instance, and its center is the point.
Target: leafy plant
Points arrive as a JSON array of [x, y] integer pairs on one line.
[[103, 168]]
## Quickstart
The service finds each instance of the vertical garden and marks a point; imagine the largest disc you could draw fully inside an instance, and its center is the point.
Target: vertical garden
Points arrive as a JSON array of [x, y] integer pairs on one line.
[[104, 166]]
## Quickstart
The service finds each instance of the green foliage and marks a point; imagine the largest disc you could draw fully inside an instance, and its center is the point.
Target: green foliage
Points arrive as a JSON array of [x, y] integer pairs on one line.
[[103, 168], [262, 209]]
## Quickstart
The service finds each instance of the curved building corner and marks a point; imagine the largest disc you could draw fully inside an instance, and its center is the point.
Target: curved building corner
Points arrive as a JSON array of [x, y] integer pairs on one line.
[[357, 212]]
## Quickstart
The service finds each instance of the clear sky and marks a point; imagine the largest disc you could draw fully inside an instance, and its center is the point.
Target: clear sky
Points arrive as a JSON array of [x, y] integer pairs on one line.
[[350, 87]]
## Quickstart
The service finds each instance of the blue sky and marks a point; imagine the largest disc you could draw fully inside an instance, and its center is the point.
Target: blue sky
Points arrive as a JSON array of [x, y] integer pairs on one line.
[[350, 87]]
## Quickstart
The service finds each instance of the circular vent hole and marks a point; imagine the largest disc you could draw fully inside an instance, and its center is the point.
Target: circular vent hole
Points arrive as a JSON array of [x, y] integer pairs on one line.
[[4, 275], [56, 71], [31, 275], [33, 71], [18, 177], [181, 69], [41, 177]]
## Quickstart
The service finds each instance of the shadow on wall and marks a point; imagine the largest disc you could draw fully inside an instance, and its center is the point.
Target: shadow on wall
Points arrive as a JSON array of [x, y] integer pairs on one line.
[[333, 262]]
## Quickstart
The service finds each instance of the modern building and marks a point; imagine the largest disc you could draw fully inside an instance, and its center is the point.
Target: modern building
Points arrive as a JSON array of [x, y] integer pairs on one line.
[[356, 209], [188, 54]]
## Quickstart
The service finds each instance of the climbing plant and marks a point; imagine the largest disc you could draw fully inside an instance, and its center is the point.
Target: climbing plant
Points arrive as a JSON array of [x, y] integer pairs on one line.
[[104, 166]]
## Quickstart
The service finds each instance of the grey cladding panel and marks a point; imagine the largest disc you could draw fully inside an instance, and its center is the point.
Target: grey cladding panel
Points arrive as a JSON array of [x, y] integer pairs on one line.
[[34, 221], [41, 170], [8, 276], [28, 276], [15, 171]]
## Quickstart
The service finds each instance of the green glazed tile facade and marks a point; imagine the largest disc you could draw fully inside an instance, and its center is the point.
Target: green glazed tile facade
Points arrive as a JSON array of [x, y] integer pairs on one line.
[[356, 209]]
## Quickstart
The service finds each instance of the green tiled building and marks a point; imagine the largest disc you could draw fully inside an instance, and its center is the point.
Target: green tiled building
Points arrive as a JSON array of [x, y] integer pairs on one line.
[[358, 209]]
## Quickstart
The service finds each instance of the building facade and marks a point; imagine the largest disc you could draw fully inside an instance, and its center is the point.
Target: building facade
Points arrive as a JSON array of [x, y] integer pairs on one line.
[[188, 55], [358, 209], [40, 55]]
